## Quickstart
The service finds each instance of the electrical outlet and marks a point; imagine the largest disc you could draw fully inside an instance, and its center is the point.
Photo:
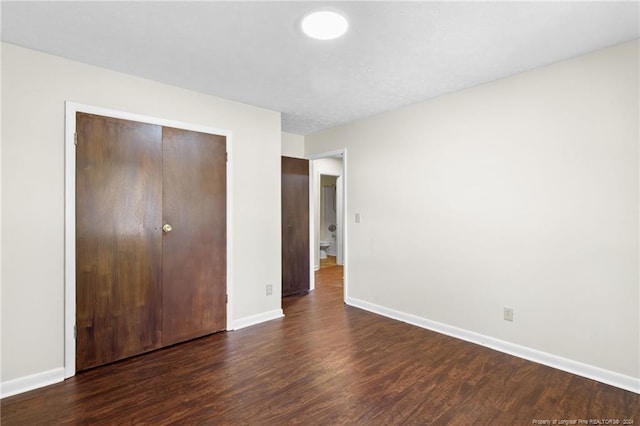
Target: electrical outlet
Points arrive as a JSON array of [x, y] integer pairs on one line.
[[357, 217], [269, 289], [508, 314]]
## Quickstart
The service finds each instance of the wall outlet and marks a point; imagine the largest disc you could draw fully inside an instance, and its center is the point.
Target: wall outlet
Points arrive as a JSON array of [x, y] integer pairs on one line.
[[357, 217], [508, 314], [269, 289]]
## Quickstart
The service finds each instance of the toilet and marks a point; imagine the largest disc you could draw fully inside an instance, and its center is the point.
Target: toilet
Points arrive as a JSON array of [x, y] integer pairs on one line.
[[324, 245]]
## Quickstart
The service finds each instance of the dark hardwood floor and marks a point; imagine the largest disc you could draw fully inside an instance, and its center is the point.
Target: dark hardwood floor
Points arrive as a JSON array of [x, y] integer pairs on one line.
[[323, 364]]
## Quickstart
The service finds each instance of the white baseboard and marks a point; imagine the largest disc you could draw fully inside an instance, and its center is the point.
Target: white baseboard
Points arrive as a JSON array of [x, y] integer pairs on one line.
[[45, 378], [33, 381], [257, 319], [575, 367]]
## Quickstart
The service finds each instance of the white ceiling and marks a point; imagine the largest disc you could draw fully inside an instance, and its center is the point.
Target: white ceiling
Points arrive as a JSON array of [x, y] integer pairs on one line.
[[394, 54]]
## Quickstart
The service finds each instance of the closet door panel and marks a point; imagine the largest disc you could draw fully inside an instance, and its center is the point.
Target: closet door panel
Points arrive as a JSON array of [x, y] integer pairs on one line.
[[194, 250], [118, 239]]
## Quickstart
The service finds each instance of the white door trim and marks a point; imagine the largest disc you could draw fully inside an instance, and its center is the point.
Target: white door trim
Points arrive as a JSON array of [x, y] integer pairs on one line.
[[345, 243], [340, 220], [318, 196], [71, 108]]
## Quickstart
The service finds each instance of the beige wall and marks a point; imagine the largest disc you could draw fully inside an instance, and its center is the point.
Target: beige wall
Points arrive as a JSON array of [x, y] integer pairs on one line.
[[35, 87], [523, 193], [292, 145]]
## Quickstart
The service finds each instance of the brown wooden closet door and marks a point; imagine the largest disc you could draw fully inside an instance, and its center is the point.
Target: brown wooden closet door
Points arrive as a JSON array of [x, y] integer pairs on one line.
[[118, 239], [295, 226], [194, 260]]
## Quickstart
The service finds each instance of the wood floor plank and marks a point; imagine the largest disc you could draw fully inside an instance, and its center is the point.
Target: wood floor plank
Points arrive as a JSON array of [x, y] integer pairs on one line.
[[325, 363]]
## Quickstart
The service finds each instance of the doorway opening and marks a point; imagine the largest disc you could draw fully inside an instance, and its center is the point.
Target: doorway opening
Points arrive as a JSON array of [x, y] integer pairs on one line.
[[328, 231], [328, 226]]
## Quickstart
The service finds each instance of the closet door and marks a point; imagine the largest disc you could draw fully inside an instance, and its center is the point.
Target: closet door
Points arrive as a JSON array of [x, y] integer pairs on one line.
[[150, 237], [194, 259], [295, 226], [118, 239]]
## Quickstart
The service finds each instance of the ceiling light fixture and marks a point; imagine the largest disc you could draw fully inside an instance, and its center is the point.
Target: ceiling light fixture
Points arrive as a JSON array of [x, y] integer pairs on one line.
[[324, 25]]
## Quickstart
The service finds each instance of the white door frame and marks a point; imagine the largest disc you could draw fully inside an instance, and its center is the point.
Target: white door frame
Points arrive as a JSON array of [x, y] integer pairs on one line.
[[339, 208], [71, 108], [313, 183], [340, 220]]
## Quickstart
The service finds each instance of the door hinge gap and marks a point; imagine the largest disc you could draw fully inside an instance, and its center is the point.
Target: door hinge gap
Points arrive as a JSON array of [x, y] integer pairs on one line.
[[75, 138]]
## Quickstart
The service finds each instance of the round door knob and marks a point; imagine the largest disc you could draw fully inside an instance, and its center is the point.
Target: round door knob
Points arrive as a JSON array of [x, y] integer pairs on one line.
[[167, 227]]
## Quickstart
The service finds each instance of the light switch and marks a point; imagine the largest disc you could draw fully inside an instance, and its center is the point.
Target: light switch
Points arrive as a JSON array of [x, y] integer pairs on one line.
[[357, 217]]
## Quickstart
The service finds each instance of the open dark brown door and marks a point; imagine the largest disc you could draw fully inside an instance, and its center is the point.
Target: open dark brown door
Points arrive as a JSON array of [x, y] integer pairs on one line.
[[118, 239], [295, 226], [194, 261]]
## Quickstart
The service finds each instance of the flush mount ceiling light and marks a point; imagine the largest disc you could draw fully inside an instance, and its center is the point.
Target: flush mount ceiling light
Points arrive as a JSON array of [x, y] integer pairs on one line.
[[324, 25]]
